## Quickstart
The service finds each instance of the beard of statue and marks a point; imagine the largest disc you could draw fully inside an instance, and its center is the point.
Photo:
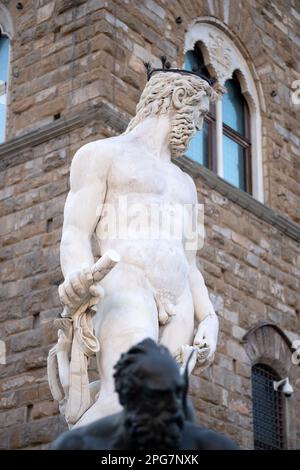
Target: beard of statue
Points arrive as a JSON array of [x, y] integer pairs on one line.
[[151, 430], [183, 129]]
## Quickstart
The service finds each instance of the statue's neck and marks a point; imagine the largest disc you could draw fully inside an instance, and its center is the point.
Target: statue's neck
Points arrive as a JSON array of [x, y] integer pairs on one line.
[[154, 134]]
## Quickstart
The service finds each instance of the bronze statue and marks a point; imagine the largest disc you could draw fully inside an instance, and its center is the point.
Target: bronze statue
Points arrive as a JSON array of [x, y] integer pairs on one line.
[[156, 415]]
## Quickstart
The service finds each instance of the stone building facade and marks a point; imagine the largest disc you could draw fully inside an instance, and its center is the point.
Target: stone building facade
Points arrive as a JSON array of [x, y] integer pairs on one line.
[[76, 73]]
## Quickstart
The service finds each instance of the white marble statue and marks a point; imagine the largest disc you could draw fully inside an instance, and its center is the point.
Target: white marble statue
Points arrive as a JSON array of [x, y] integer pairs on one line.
[[143, 285]]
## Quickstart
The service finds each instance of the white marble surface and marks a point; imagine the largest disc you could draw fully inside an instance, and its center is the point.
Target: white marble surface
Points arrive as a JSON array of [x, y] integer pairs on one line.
[[156, 289]]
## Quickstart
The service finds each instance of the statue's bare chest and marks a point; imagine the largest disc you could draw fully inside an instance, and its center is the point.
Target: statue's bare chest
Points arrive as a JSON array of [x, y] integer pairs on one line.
[[145, 175]]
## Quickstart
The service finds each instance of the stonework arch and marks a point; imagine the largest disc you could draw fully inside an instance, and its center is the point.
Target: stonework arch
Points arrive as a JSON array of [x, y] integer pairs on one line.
[[266, 343], [6, 24], [224, 55]]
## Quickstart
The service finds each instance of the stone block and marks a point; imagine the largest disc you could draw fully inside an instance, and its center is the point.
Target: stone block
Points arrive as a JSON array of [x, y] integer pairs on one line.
[[12, 417], [26, 340], [237, 351], [45, 12], [44, 409], [41, 431]]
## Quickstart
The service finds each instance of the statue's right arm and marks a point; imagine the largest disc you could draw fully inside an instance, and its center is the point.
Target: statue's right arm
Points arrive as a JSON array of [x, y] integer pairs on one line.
[[88, 184]]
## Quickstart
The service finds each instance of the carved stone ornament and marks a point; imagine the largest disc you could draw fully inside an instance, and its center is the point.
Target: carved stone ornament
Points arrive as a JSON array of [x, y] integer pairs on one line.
[[220, 56]]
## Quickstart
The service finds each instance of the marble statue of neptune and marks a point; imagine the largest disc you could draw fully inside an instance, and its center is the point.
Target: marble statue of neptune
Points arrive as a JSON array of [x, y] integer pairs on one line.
[[146, 283]]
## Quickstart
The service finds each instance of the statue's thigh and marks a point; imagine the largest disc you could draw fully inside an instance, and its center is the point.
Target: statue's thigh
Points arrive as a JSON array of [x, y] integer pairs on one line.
[[124, 319], [180, 328]]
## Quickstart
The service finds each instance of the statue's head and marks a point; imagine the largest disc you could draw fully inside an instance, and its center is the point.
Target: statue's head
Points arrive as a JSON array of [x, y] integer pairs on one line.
[[183, 97], [151, 389]]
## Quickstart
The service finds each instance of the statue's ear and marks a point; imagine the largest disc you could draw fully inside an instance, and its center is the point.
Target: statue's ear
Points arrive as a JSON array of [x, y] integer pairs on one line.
[[178, 97]]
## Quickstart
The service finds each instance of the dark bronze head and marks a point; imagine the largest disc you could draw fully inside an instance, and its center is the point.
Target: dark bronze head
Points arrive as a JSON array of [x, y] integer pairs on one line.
[[152, 390]]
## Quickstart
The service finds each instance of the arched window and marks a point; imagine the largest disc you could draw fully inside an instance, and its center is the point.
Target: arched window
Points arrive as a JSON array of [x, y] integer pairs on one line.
[[230, 142], [275, 418], [268, 410], [4, 64], [236, 130]]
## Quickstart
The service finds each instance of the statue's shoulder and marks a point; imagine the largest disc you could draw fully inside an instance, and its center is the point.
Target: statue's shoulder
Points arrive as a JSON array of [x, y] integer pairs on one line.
[[91, 154], [188, 179], [98, 435], [100, 148], [200, 438], [189, 183], [69, 440]]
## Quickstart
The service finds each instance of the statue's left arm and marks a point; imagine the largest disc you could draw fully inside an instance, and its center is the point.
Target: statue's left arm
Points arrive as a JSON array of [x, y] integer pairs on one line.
[[208, 328]]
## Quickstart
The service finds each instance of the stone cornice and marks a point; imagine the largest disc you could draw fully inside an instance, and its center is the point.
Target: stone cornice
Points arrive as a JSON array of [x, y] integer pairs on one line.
[[15, 151], [18, 150], [245, 200]]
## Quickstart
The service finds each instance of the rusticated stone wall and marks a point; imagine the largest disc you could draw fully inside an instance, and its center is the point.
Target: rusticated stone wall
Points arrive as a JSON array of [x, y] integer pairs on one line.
[[32, 199], [69, 55], [250, 269]]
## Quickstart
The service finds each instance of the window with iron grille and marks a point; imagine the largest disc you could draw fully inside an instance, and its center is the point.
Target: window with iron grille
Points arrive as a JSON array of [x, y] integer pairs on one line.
[[268, 410]]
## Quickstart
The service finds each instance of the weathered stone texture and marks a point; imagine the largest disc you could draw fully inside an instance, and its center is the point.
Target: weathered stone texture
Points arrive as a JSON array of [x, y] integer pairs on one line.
[[70, 56], [30, 274]]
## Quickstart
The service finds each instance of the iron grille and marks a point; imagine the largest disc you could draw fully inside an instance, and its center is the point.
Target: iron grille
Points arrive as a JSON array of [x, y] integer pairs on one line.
[[268, 410]]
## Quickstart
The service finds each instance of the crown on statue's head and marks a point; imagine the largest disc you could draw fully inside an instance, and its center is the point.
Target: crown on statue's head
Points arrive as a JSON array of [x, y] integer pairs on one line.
[[166, 67]]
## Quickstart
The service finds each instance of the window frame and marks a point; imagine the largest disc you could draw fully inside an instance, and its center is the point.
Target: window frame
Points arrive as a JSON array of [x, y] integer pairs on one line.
[[5, 90], [245, 142], [7, 30]]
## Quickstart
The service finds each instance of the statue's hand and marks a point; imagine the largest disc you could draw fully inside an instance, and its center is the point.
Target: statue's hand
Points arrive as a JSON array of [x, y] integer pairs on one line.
[[80, 289], [183, 354], [206, 339]]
